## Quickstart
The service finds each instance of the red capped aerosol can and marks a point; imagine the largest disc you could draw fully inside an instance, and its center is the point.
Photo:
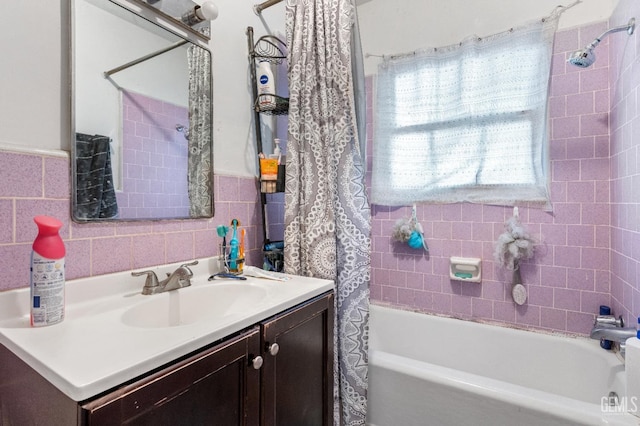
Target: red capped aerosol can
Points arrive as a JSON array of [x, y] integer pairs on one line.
[[47, 273]]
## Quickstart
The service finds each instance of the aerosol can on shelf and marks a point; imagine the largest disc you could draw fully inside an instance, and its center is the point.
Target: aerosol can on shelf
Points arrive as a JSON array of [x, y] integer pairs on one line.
[[47, 273]]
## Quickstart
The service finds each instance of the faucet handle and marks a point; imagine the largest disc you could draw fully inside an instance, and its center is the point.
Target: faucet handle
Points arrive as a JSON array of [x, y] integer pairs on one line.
[[152, 278], [609, 320], [186, 266]]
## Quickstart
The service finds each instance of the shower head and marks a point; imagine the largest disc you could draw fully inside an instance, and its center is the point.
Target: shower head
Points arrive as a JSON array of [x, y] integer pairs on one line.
[[583, 58], [586, 57]]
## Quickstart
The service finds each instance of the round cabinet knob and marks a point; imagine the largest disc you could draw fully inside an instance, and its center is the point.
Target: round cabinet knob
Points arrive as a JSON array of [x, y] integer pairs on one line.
[[273, 349], [257, 362]]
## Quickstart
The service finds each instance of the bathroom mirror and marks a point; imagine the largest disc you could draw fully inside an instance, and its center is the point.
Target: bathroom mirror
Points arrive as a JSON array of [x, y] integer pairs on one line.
[[141, 117]]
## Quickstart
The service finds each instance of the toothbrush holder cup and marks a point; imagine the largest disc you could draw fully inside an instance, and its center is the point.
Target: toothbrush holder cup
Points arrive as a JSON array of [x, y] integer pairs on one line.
[[229, 264]]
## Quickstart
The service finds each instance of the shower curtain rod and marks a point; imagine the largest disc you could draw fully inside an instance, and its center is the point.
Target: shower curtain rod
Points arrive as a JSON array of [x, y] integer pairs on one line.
[[258, 8], [145, 57]]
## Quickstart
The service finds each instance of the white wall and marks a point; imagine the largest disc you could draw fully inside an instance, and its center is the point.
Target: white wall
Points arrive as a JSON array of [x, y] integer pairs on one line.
[[33, 91], [234, 143], [392, 27], [34, 79]]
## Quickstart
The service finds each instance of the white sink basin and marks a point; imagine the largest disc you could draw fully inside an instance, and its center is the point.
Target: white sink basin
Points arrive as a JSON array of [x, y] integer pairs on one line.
[[192, 304]]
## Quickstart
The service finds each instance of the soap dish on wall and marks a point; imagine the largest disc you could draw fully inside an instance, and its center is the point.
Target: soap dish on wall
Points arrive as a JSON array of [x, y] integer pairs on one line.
[[465, 269]]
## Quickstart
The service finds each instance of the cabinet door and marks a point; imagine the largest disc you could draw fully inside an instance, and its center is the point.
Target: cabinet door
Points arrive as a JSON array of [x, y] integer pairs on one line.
[[297, 379], [218, 386]]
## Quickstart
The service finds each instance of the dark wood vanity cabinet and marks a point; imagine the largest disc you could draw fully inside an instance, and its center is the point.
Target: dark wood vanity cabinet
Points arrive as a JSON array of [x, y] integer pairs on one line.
[[277, 372], [218, 386], [297, 375]]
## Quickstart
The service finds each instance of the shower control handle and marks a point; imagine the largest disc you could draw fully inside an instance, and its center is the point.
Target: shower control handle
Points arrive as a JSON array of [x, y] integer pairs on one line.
[[273, 349]]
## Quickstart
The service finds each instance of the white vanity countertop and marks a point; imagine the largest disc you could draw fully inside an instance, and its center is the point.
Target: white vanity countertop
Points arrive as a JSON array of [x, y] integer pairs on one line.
[[95, 349]]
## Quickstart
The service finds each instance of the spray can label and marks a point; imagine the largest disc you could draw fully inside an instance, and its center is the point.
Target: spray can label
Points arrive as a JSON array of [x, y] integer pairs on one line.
[[47, 290]]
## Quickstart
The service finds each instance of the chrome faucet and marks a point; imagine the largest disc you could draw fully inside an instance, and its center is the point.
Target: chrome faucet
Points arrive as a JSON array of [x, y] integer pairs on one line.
[[179, 278], [611, 328]]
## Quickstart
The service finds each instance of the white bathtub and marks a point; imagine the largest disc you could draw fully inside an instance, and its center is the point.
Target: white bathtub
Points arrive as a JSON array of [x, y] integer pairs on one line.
[[427, 370]]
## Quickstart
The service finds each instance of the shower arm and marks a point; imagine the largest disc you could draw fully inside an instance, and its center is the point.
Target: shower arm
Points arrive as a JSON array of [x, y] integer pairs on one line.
[[145, 58], [628, 28], [258, 8]]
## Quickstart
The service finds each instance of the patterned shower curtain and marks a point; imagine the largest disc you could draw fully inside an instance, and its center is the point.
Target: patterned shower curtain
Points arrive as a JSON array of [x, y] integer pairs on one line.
[[327, 216], [200, 171]]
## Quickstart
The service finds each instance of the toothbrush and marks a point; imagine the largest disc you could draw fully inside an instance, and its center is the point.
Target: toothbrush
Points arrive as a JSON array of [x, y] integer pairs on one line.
[[243, 234], [222, 232], [233, 252]]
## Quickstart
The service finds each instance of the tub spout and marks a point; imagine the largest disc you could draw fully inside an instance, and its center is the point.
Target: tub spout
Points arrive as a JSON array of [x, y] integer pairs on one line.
[[606, 328], [617, 334]]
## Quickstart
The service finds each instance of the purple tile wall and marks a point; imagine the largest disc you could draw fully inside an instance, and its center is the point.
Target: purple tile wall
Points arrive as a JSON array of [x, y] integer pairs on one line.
[[33, 184], [275, 216], [569, 276], [154, 159], [625, 165]]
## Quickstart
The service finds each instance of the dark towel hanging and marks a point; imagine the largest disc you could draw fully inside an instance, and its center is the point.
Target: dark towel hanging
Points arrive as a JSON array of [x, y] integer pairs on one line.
[[95, 192]]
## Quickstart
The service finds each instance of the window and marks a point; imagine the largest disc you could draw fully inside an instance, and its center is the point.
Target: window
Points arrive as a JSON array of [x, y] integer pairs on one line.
[[466, 123]]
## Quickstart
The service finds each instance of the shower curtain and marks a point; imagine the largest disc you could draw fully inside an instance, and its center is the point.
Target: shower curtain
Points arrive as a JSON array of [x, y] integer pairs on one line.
[[200, 171], [327, 216]]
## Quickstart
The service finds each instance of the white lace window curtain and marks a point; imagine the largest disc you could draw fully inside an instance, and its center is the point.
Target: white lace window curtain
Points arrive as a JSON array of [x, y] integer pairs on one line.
[[466, 123]]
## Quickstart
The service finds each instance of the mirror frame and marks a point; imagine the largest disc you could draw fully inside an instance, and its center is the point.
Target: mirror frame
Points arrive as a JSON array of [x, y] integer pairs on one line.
[[155, 17]]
